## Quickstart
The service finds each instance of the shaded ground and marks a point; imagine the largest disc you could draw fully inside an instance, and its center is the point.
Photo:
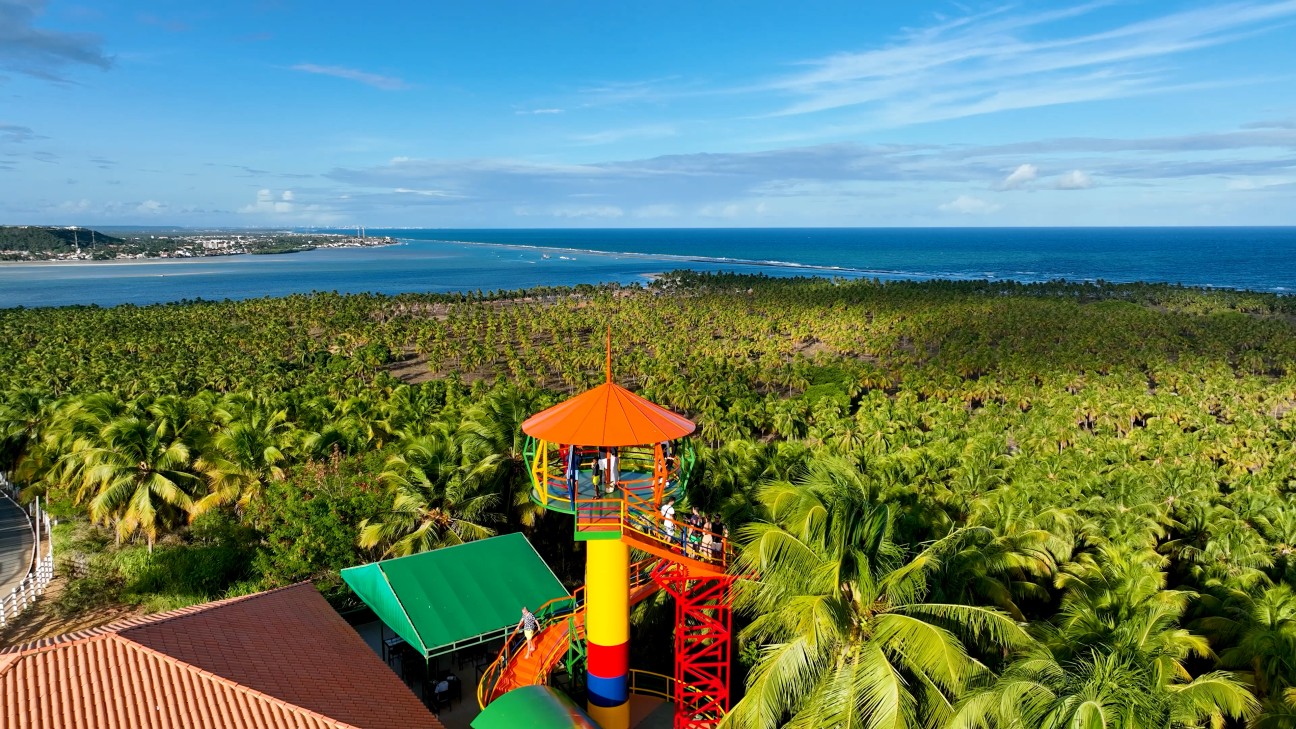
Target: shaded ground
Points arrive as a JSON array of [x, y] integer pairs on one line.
[[42, 621]]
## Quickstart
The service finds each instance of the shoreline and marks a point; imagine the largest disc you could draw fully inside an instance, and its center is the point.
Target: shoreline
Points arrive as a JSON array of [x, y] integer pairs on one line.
[[185, 259], [720, 260], [650, 267], [823, 271]]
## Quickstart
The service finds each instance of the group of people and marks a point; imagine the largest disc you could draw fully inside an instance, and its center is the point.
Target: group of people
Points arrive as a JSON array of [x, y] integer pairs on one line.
[[698, 535], [605, 471]]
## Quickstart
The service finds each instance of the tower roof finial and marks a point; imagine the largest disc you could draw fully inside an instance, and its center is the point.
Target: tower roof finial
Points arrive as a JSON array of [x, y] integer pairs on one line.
[[609, 353]]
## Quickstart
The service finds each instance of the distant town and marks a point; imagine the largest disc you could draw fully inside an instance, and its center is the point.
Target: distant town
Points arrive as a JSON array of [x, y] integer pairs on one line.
[[38, 243]]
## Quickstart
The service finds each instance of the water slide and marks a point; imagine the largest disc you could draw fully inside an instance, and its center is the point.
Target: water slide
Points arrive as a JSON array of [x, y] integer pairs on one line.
[[561, 620]]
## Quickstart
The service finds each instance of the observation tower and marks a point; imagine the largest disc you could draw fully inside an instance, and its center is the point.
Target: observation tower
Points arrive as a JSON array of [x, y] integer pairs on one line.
[[613, 459]]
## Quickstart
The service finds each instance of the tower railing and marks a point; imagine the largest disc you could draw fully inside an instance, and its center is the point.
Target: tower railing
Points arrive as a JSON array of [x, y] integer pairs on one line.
[[568, 607], [641, 469], [679, 537]]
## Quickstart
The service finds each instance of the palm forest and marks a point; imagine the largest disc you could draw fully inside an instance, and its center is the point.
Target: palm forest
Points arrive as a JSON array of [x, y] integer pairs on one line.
[[962, 505]]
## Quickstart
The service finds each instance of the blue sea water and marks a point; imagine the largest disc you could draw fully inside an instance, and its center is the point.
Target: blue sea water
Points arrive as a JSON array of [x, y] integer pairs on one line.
[[1262, 259]]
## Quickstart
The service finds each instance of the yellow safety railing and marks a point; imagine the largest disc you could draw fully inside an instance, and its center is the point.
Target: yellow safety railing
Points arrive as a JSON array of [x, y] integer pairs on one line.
[[639, 465], [684, 539], [559, 608], [656, 685]]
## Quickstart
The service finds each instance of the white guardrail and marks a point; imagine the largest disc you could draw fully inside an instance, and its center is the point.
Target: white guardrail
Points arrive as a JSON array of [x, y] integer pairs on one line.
[[41, 571]]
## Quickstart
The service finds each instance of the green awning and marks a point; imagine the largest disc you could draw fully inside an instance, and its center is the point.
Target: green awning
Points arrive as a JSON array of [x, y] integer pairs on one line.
[[456, 596], [534, 707]]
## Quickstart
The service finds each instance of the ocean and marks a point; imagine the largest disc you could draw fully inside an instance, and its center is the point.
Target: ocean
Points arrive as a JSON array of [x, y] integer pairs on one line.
[[1261, 259]]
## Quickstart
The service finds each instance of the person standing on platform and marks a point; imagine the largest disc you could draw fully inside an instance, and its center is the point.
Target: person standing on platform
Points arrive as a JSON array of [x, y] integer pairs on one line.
[[603, 464], [668, 519], [614, 468], [572, 463]]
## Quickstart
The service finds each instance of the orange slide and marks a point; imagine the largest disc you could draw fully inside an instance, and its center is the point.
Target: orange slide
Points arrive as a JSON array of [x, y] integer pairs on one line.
[[560, 619]]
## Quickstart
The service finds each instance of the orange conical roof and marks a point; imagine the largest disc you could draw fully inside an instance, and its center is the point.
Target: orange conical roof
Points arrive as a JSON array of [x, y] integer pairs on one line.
[[608, 415]]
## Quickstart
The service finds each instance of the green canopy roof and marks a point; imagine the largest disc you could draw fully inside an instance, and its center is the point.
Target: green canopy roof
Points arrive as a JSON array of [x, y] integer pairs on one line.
[[534, 707], [456, 596]]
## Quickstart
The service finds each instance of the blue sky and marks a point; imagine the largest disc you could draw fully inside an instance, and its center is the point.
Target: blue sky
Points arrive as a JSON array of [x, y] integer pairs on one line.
[[673, 114]]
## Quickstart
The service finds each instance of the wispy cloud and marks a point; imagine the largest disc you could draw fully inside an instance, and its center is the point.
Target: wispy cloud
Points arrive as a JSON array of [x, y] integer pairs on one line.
[[1074, 180], [378, 81], [40, 53], [537, 112], [16, 134], [1272, 124], [624, 92], [1001, 61], [170, 25], [829, 172], [968, 205], [255, 172], [1020, 177], [610, 136]]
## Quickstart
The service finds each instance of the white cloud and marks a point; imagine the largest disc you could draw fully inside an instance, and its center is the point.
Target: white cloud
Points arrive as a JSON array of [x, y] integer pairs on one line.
[[528, 112], [150, 207], [267, 204], [999, 60], [656, 211], [284, 206], [588, 211], [1257, 183], [732, 210], [968, 205], [835, 176], [74, 206], [1074, 180], [1018, 178], [425, 193], [378, 81], [651, 131]]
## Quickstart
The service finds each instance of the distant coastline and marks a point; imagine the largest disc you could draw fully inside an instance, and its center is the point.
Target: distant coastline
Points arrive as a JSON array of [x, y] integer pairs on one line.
[[429, 261], [214, 257], [45, 244]]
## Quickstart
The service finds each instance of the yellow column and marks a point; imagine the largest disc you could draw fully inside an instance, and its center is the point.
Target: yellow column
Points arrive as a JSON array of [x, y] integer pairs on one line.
[[607, 630]]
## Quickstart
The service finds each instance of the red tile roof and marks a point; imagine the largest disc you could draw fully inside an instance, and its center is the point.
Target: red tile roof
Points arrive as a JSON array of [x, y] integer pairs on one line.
[[276, 659]]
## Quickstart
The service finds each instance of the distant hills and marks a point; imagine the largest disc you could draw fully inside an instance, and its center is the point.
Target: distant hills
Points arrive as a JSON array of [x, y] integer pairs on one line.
[[36, 239]]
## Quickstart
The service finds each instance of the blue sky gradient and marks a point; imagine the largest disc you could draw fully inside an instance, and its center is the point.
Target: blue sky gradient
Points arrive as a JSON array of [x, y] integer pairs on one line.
[[675, 114]]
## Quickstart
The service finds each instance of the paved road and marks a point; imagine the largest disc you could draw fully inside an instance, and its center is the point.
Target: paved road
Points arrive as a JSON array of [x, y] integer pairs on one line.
[[15, 545]]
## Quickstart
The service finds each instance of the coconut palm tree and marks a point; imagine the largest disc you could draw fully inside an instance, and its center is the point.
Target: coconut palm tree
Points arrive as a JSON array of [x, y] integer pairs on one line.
[[491, 442], [23, 414], [847, 636], [1259, 626], [1097, 691], [145, 480], [243, 457], [433, 505], [1114, 657]]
